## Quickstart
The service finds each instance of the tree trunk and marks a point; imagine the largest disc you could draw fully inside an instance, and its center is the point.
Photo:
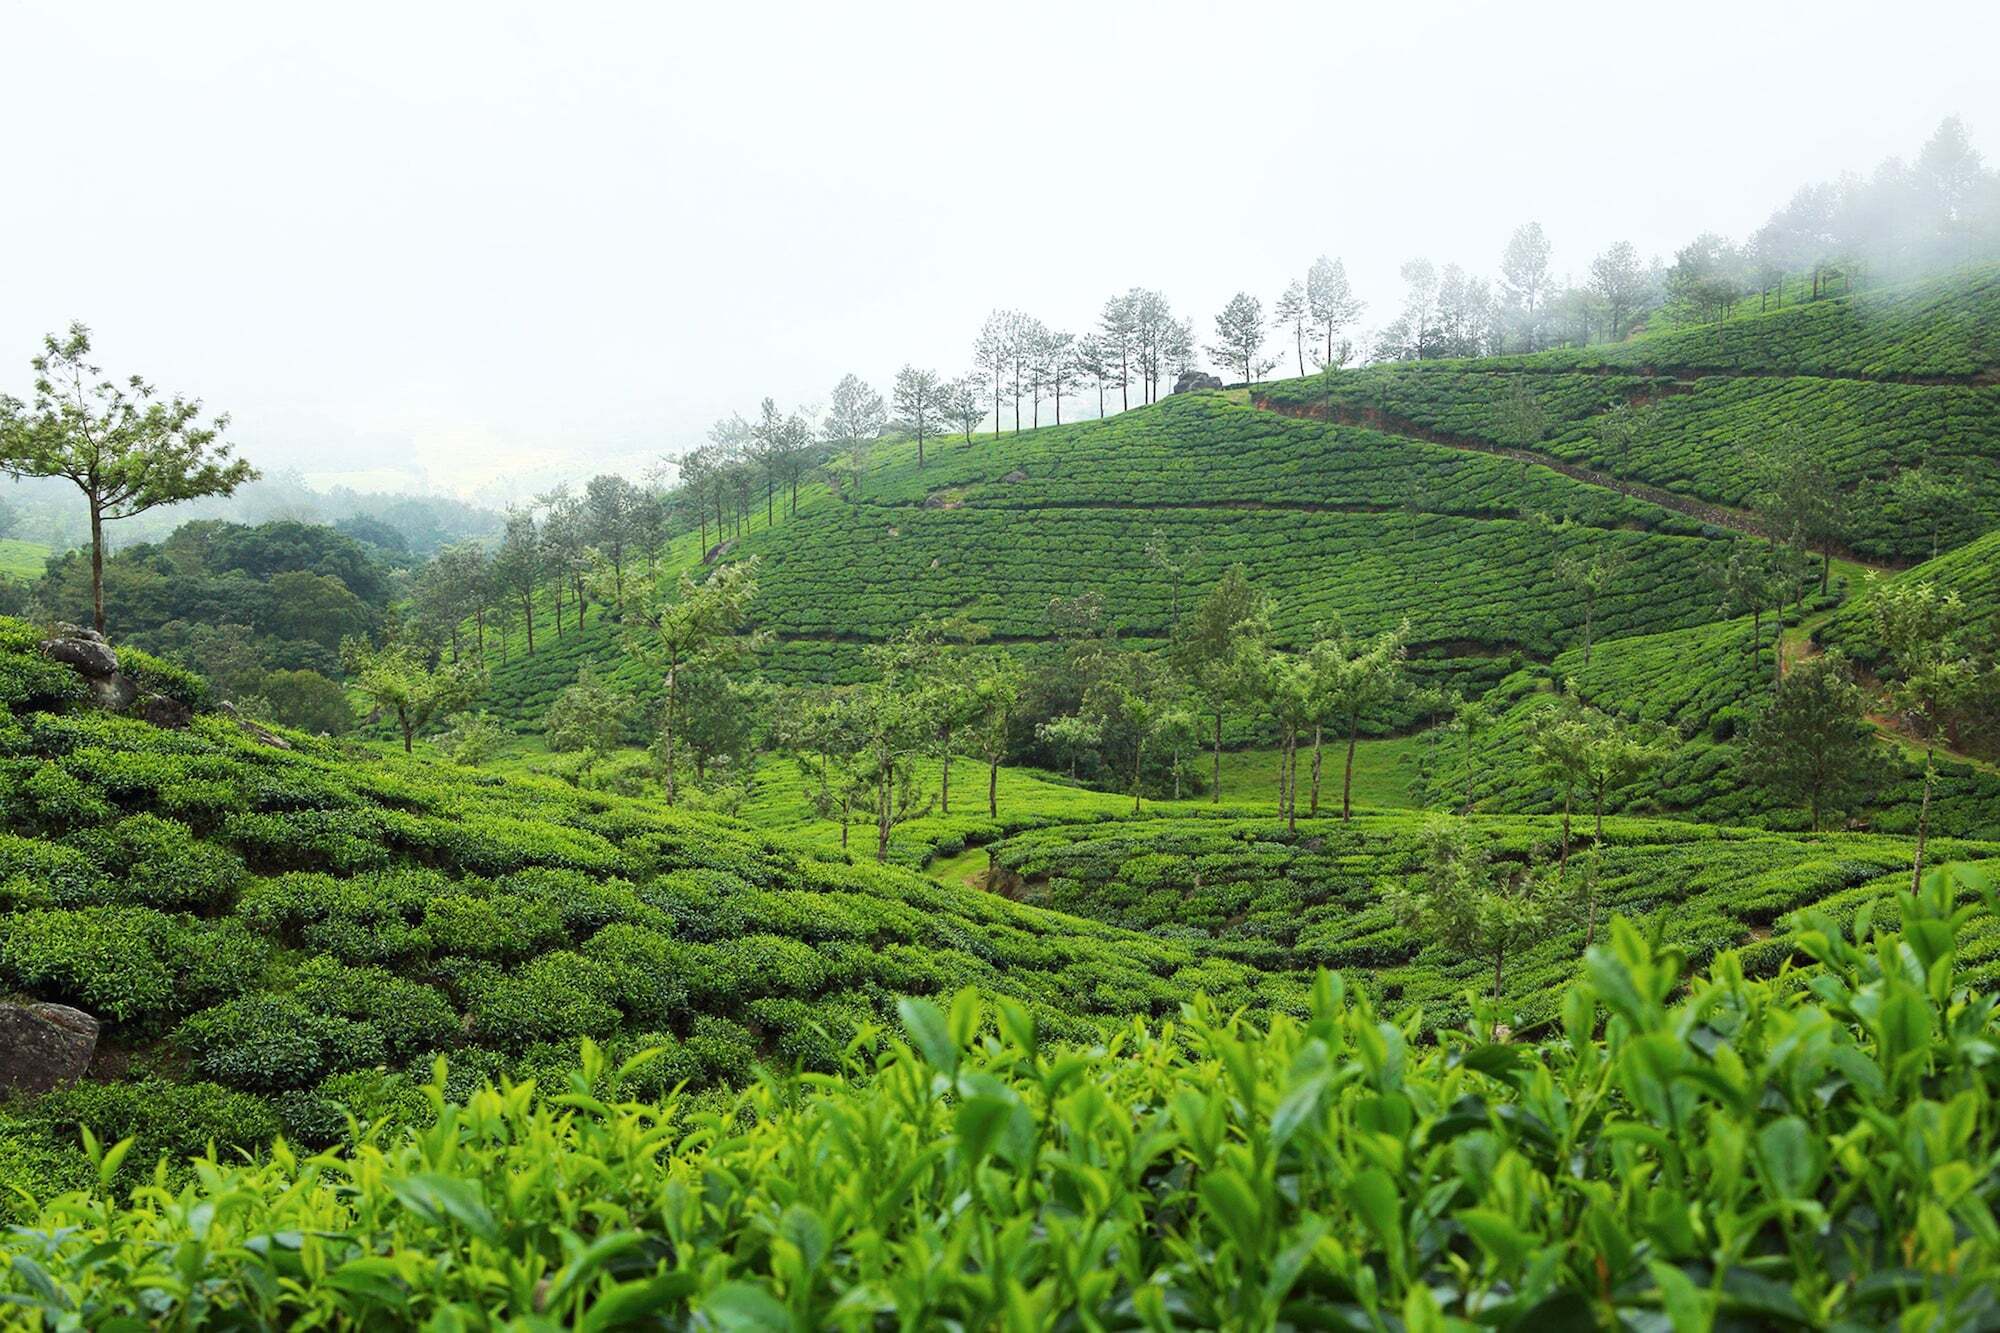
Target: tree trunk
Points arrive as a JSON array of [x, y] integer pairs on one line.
[[667, 738], [1468, 770], [1313, 808], [1215, 797], [1825, 569], [1590, 896], [1347, 782], [1499, 957], [1562, 861], [1924, 815], [944, 783], [96, 566], [403, 721], [993, 787], [528, 618], [1138, 759]]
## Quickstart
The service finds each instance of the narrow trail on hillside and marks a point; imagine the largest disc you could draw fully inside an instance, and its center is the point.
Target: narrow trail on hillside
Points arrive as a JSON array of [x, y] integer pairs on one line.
[[1797, 645], [1481, 515], [1703, 511], [1689, 374]]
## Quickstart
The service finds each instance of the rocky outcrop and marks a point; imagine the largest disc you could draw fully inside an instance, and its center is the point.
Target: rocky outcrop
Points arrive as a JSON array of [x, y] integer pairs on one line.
[[43, 1046], [1192, 380], [87, 653]]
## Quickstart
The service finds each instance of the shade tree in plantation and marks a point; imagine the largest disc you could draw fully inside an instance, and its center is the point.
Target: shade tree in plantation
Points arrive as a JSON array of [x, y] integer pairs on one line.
[[401, 679], [1923, 630], [1799, 497], [1615, 754], [1291, 316], [123, 446], [896, 723], [1333, 308], [1072, 738], [1465, 903], [1240, 334], [1811, 745], [587, 719], [962, 405], [822, 731], [997, 691], [1588, 565], [1559, 748], [855, 419], [677, 627], [1620, 287], [1352, 677], [1469, 717], [1526, 286], [611, 506], [1221, 653], [919, 398], [517, 566], [1933, 501], [1117, 341]]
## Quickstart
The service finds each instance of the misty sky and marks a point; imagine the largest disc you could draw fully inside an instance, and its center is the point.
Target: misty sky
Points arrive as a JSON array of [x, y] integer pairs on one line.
[[475, 247]]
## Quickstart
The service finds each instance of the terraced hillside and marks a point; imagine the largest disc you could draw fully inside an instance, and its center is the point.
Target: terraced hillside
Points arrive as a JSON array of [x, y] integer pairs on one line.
[[1320, 896], [1332, 520], [273, 927], [1871, 386]]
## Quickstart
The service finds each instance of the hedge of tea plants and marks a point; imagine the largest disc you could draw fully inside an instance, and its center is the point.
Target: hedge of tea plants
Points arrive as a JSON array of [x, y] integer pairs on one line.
[[1679, 1149], [1280, 899]]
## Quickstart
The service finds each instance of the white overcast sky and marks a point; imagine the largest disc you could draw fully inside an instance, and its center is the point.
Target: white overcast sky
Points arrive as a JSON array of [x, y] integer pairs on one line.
[[471, 247]]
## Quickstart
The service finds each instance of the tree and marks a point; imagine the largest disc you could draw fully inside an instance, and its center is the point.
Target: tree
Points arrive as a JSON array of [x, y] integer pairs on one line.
[[1093, 367], [1613, 756], [997, 690], [896, 719], [609, 505], [304, 699], [1559, 740], [855, 418], [1588, 570], [1294, 315], [1239, 337], [1922, 630], [1331, 302], [920, 404], [1811, 745], [400, 681], [1174, 563], [1290, 694], [993, 353], [765, 447], [1525, 284], [1221, 651], [566, 560], [471, 739], [518, 565], [1801, 497], [124, 447], [1470, 717], [1117, 331], [961, 404], [1414, 335], [1354, 677], [587, 719], [1618, 430], [686, 626], [1618, 281], [1460, 903], [1072, 737], [1933, 501], [823, 734], [1748, 586], [1520, 420]]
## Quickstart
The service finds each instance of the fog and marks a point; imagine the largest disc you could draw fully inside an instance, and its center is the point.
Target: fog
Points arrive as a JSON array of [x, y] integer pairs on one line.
[[476, 247]]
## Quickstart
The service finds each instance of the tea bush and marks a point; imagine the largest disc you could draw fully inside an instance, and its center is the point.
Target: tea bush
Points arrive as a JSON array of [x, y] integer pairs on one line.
[[1681, 1150]]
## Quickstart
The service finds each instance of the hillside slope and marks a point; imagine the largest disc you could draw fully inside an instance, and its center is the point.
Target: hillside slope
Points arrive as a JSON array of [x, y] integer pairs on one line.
[[1871, 386]]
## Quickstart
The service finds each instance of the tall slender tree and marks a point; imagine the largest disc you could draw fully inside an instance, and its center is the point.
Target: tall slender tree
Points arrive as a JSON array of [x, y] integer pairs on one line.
[[918, 397], [123, 446]]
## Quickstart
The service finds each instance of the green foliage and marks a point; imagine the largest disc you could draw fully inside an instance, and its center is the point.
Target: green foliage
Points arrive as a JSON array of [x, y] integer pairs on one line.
[[1667, 1150]]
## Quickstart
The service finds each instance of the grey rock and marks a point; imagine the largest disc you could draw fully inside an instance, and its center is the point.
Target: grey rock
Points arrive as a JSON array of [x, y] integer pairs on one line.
[[114, 692], [44, 1046], [1192, 380], [82, 649], [1015, 478], [162, 711]]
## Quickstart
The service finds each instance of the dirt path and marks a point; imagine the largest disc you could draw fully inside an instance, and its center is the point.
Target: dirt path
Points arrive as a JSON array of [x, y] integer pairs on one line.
[[1702, 511]]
